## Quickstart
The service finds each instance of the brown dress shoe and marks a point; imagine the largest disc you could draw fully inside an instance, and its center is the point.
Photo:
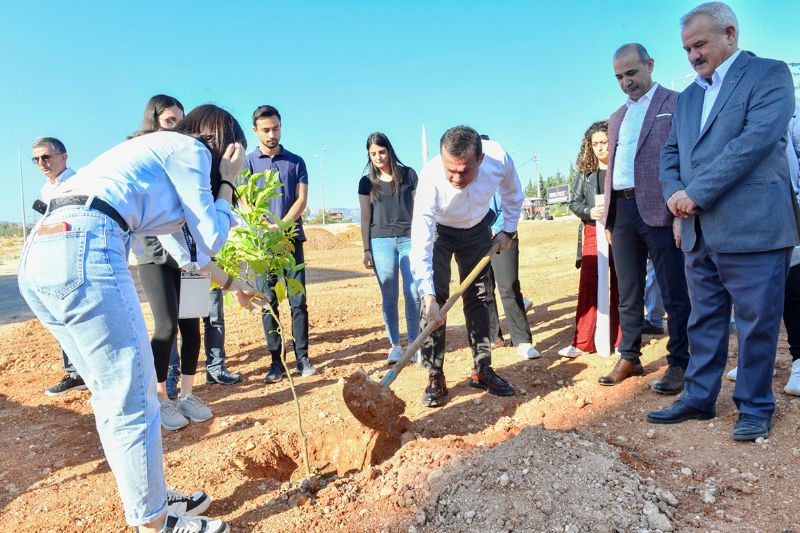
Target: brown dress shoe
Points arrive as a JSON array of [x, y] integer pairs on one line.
[[623, 370], [672, 382]]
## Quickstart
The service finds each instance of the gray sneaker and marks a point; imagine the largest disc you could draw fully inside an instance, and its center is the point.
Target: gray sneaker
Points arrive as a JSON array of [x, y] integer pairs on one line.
[[194, 409], [305, 368], [171, 417], [177, 523]]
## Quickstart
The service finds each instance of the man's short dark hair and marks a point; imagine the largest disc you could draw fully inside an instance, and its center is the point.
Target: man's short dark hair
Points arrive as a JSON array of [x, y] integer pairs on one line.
[[56, 145], [640, 50], [460, 141], [265, 111]]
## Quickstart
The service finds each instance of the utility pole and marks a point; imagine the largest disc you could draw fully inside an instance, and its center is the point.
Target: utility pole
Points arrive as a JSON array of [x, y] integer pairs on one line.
[[538, 177], [322, 183]]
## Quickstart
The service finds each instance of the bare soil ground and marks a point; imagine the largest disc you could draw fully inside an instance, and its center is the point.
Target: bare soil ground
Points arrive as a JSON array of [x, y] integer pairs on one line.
[[565, 454]]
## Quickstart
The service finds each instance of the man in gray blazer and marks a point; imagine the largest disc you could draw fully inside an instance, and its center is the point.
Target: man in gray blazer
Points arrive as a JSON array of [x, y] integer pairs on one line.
[[638, 220], [725, 174]]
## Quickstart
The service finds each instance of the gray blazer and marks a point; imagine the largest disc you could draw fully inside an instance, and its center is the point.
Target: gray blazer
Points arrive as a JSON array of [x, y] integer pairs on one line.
[[735, 168]]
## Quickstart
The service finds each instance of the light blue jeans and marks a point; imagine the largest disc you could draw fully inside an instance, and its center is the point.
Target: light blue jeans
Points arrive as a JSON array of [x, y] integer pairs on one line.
[[390, 255], [79, 286]]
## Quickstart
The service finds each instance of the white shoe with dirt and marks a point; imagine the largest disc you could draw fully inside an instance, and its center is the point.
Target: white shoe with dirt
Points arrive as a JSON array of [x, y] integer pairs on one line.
[[793, 386], [570, 351], [394, 354], [527, 350]]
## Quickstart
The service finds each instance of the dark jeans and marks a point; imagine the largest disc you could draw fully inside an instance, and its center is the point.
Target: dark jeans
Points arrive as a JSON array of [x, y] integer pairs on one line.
[[631, 241], [214, 332], [791, 311], [468, 246], [161, 284], [299, 314], [505, 272], [69, 368]]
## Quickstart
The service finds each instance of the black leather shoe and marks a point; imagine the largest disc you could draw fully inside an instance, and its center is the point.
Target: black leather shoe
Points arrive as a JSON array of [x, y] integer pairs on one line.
[[650, 329], [671, 382], [678, 412], [223, 377], [486, 379], [436, 391], [751, 427], [622, 371]]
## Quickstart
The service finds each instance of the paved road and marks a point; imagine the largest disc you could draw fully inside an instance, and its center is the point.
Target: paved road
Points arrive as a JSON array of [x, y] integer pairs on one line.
[[12, 307]]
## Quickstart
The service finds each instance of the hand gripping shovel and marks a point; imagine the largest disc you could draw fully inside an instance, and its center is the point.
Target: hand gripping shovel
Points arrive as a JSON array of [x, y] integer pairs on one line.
[[392, 374]]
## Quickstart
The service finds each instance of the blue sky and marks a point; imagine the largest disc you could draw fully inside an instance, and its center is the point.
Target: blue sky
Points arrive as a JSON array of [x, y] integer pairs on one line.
[[531, 74]]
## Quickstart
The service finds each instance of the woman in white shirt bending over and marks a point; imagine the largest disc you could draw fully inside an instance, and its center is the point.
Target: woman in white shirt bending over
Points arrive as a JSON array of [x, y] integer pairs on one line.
[[74, 275]]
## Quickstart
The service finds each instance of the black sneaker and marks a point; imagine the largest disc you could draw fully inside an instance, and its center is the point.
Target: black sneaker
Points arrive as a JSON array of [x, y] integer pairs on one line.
[[305, 368], [223, 377], [485, 378], [276, 373], [176, 523], [65, 385], [182, 504], [436, 391]]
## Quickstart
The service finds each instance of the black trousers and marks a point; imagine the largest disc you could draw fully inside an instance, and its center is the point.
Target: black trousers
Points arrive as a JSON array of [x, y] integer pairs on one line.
[[161, 284], [791, 311], [468, 246], [505, 271], [631, 241], [299, 307]]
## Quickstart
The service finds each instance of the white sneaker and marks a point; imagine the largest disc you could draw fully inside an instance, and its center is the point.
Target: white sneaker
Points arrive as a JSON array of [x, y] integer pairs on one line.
[[394, 354], [732, 374], [180, 503], [570, 351], [171, 417], [528, 304], [793, 385], [177, 523], [527, 350], [194, 409]]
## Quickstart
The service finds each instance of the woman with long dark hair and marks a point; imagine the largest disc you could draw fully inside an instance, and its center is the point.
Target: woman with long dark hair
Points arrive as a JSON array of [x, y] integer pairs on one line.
[[386, 197], [74, 275], [591, 164]]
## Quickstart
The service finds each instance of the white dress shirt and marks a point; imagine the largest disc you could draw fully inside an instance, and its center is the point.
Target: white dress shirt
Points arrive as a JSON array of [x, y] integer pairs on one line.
[[157, 182], [628, 140], [49, 189], [712, 90], [438, 202]]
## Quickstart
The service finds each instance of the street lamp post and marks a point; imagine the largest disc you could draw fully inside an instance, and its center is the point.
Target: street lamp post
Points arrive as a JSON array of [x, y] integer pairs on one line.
[[322, 183], [538, 177], [22, 189]]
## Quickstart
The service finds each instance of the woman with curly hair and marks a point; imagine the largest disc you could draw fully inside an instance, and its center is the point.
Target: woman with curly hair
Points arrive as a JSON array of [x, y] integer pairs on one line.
[[591, 164]]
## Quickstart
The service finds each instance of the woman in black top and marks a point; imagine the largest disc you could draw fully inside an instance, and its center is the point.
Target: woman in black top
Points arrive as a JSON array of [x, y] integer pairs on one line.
[[592, 164], [386, 196]]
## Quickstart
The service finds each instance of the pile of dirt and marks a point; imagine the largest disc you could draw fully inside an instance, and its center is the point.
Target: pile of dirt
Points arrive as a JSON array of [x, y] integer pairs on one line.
[[351, 235], [369, 434], [319, 239]]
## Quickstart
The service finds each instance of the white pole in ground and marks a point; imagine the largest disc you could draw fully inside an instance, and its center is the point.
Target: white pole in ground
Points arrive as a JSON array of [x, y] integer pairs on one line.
[[602, 331], [424, 146], [22, 191]]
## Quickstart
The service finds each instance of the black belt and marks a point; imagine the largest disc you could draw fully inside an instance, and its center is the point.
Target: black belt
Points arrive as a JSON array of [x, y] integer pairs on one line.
[[97, 204], [624, 193]]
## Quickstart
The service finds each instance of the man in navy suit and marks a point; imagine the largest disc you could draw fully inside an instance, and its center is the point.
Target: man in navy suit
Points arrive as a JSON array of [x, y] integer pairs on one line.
[[725, 175]]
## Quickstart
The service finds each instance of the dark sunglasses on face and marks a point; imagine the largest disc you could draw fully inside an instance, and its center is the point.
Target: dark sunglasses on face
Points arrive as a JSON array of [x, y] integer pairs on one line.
[[46, 157]]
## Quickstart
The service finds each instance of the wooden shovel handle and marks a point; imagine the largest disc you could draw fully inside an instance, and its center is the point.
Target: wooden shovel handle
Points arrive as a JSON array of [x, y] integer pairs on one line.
[[393, 372]]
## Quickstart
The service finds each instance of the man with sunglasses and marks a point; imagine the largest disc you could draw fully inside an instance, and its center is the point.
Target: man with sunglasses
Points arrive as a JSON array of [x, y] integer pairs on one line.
[[50, 155]]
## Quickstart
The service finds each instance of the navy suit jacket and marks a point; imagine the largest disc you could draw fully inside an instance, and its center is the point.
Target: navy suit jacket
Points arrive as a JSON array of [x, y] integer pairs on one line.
[[735, 167]]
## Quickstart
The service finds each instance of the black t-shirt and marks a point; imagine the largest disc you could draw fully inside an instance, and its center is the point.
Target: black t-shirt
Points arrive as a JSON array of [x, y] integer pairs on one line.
[[391, 215]]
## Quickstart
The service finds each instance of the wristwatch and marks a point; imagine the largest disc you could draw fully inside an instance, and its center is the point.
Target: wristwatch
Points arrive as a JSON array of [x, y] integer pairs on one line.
[[511, 234]]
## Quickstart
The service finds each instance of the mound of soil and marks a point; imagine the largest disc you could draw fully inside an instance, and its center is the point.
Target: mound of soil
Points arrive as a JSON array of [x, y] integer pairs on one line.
[[319, 239]]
